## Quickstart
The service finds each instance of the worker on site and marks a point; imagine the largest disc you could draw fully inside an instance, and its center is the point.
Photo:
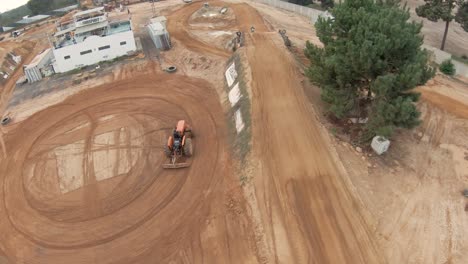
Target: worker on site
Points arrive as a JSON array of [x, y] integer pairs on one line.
[[175, 134]]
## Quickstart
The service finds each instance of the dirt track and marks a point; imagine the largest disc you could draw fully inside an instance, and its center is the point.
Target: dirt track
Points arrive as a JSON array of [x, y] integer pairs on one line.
[[447, 94], [125, 209], [308, 212], [179, 27], [87, 173]]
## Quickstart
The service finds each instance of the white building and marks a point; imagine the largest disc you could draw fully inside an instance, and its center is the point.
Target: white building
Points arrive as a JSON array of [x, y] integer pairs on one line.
[[91, 37]]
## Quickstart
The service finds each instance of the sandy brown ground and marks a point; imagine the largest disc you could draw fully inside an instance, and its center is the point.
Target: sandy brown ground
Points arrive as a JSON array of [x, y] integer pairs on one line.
[[128, 210], [82, 181], [432, 31], [309, 215], [414, 192], [307, 212], [87, 162], [89, 187]]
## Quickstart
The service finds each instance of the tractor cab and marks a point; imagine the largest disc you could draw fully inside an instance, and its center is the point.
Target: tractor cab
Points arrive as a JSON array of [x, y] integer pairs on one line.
[[179, 145]]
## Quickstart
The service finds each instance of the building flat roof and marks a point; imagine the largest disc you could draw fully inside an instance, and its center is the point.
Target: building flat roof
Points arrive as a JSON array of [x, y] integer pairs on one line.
[[66, 9], [88, 11], [157, 27], [91, 27], [32, 19]]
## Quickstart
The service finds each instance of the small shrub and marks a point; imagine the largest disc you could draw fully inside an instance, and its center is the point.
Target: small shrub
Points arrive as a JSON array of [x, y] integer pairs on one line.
[[464, 57], [447, 67]]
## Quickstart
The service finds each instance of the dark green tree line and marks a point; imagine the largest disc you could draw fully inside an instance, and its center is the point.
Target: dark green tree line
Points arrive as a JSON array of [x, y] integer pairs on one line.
[[435, 10]]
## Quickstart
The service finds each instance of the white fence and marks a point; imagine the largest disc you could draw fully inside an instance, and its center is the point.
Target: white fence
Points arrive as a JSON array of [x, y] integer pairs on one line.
[[314, 14], [311, 13]]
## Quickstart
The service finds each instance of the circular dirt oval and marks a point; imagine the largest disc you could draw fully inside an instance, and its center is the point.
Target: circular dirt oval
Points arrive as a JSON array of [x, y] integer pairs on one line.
[[86, 174]]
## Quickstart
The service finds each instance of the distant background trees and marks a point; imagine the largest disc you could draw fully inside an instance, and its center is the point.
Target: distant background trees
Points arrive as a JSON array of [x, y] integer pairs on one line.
[[14, 15], [324, 4], [462, 15], [370, 62], [44, 6], [447, 11], [38, 7]]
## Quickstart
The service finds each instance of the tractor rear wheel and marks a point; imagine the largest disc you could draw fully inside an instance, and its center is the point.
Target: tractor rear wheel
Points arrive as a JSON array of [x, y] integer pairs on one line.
[[167, 151], [188, 133], [188, 148]]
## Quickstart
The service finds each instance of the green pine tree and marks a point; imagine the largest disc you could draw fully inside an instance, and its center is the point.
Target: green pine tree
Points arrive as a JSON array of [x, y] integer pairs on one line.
[[370, 61], [433, 10], [462, 14]]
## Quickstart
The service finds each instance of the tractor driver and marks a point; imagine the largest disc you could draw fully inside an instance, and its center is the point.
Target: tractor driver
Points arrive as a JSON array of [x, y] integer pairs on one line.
[[176, 134]]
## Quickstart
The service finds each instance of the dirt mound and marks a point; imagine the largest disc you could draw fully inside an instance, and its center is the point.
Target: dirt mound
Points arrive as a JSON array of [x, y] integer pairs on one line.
[[180, 29], [212, 17]]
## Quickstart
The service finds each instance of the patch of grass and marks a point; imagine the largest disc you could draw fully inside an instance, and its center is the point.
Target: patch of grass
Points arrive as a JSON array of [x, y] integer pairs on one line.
[[120, 58], [75, 71]]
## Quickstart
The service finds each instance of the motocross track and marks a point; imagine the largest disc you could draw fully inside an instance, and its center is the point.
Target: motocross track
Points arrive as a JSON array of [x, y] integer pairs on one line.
[[83, 182], [178, 26], [308, 213]]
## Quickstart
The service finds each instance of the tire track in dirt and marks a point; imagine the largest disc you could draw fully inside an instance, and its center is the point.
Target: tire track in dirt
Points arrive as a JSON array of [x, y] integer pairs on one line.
[[178, 28], [309, 215], [141, 214], [147, 215], [446, 103]]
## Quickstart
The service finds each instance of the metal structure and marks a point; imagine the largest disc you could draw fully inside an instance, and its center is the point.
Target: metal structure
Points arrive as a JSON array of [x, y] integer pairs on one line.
[[35, 70], [159, 34]]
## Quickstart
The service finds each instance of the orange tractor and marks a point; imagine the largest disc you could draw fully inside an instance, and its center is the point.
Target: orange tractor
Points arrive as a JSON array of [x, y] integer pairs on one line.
[[178, 146]]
